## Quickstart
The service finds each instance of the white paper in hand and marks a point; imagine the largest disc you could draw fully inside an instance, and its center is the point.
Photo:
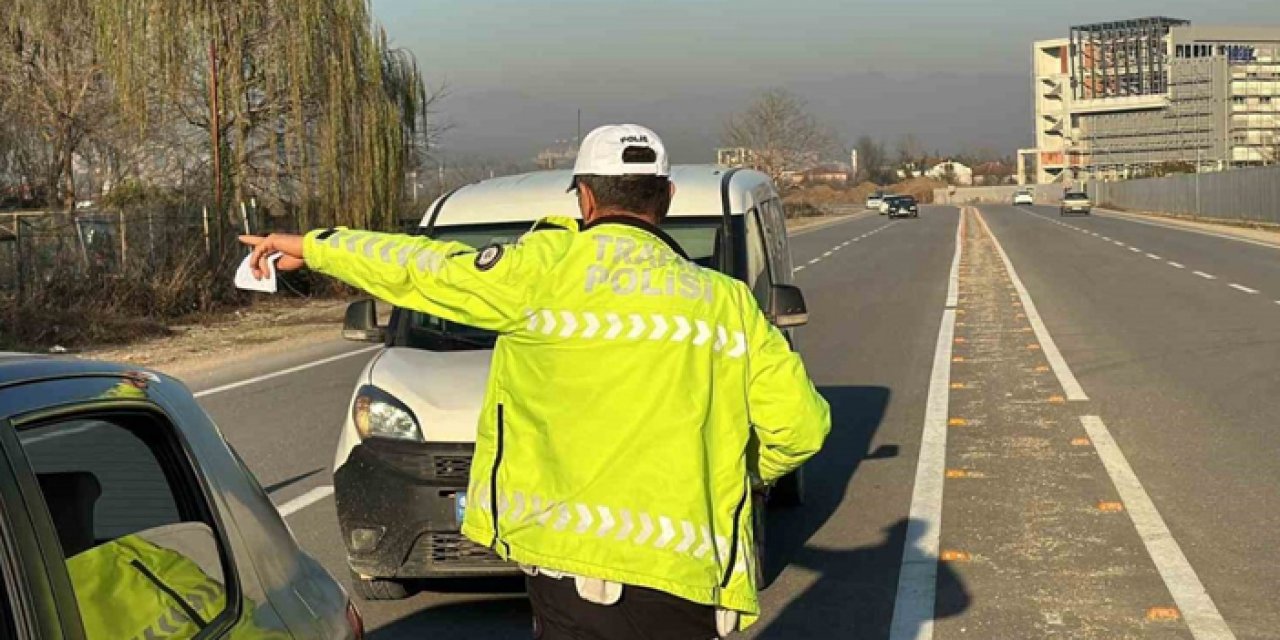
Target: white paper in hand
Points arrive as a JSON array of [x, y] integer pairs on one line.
[[246, 281]]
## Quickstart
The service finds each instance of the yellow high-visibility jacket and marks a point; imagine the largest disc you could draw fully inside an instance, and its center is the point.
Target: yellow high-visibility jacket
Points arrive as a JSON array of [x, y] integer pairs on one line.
[[616, 437], [131, 588]]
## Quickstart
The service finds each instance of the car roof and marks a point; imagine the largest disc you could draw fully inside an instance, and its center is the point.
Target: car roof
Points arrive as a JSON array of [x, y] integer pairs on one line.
[[18, 368], [701, 190]]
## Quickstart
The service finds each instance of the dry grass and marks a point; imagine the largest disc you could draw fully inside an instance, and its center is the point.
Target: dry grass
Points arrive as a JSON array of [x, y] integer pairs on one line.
[[74, 308]]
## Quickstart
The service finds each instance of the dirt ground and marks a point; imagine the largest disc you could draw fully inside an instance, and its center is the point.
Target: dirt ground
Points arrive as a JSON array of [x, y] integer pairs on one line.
[[268, 327]]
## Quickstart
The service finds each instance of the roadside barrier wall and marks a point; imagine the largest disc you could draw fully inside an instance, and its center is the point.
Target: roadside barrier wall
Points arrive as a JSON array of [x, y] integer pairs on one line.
[[1043, 193], [1241, 195]]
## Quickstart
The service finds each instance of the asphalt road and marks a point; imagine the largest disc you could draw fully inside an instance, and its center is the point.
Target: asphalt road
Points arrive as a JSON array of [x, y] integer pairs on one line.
[[1041, 532]]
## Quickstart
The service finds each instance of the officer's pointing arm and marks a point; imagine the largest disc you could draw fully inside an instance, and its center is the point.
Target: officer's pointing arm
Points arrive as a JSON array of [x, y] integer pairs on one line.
[[790, 418], [484, 288]]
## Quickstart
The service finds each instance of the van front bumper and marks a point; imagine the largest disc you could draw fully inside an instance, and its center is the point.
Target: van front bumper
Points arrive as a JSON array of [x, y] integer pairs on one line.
[[398, 510]]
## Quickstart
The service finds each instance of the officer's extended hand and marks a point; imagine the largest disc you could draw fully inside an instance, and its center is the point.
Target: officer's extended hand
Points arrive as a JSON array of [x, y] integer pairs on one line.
[[288, 244]]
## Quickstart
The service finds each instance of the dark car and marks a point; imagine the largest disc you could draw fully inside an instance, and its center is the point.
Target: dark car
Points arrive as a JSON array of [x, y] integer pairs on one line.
[[100, 462], [903, 207], [1075, 202]]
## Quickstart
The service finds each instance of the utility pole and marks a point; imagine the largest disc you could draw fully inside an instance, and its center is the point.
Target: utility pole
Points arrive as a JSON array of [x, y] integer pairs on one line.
[[215, 127]]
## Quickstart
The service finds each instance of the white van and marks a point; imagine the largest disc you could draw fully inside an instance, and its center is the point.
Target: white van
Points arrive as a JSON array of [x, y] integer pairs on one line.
[[401, 491]]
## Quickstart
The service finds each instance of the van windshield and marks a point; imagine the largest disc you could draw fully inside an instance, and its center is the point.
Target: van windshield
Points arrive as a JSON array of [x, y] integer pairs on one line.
[[698, 236]]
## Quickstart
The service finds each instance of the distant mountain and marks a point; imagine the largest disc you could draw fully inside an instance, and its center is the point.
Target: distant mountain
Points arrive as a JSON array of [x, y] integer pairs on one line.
[[946, 112]]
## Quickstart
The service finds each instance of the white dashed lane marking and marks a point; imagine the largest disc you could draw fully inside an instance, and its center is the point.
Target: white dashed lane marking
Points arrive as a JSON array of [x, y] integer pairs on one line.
[[1175, 265], [828, 253]]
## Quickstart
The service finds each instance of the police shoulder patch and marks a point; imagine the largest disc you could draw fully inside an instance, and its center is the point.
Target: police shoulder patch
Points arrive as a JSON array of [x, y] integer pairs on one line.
[[488, 256]]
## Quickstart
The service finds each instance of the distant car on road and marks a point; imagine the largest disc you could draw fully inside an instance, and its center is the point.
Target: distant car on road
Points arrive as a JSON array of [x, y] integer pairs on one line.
[[403, 462], [1075, 202], [902, 207], [1024, 196], [874, 200], [884, 202], [98, 463]]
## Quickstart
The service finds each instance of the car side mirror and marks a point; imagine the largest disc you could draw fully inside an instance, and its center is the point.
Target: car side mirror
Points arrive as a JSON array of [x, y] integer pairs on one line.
[[786, 307], [361, 322]]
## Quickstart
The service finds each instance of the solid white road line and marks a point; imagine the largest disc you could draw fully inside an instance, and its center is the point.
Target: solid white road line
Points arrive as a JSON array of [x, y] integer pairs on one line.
[[285, 372], [305, 500], [1070, 386], [918, 575], [1177, 265], [1206, 276], [1240, 287], [953, 282], [1188, 593]]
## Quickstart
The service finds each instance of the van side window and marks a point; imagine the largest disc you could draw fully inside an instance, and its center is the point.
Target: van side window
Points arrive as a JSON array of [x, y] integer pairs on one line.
[[131, 520], [758, 277], [775, 225]]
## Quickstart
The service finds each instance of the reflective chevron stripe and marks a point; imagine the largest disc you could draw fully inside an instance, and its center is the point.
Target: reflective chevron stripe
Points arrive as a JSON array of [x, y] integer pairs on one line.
[[621, 525], [634, 326]]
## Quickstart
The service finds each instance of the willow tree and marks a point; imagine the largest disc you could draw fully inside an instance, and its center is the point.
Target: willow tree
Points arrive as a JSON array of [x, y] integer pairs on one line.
[[304, 101]]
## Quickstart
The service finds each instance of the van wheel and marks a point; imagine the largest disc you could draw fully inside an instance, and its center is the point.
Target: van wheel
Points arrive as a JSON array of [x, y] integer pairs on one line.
[[378, 588], [789, 491]]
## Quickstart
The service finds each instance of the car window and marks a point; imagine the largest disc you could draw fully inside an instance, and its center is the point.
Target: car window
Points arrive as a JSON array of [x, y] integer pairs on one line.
[[757, 259], [775, 226], [132, 523]]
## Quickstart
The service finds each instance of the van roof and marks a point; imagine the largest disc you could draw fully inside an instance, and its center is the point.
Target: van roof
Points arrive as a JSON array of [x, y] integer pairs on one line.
[[700, 191]]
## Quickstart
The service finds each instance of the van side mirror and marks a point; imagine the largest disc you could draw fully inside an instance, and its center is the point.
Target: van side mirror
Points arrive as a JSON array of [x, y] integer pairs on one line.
[[786, 307], [361, 322]]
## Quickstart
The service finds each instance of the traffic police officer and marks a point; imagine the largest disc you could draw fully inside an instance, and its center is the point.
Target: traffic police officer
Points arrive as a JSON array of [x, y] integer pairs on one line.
[[614, 468]]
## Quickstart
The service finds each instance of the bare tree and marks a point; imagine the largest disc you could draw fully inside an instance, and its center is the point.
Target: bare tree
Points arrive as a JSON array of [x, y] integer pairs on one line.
[[871, 159], [910, 155], [779, 134], [52, 90]]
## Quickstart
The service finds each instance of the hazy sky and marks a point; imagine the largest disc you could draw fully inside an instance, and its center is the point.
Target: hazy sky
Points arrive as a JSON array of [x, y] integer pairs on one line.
[[952, 72]]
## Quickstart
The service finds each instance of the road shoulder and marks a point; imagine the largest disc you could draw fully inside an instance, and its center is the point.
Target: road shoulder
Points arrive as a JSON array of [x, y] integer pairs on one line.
[[1263, 236]]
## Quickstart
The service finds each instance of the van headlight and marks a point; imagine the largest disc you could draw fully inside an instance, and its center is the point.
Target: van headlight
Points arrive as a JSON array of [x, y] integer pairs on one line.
[[378, 414]]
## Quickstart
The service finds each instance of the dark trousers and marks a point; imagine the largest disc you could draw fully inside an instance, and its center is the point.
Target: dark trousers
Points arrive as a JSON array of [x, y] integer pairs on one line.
[[559, 613]]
